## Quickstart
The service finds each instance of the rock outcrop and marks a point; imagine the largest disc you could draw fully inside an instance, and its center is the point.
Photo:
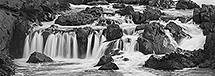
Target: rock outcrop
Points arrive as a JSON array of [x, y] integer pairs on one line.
[[113, 32], [186, 4], [177, 60], [7, 67], [82, 34], [37, 57], [106, 63], [176, 30], [87, 16], [154, 40], [205, 16], [150, 13]]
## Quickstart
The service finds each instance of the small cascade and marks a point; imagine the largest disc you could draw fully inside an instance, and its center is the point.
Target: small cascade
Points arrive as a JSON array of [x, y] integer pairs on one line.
[[90, 37], [26, 47]]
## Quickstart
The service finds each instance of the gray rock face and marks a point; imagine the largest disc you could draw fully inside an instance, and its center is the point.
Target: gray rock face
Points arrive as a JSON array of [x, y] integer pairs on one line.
[[6, 28], [87, 16], [153, 39], [37, 57], [186, 4]]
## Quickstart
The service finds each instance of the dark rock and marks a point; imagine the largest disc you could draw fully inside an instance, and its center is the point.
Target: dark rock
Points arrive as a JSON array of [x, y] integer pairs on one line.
[[207, 64], [128, 10], [18, 40], [106, 22], [138, 18], [161, 64], [161, 3], [76, 2], [152, 13], [167, 18], [207, 28], [113, 32], [37, 57], [119, 5], [176, 30], [105, 59], [95, 11], [186, 4], [87, 16], [74, 19], [99, 2], [7, 67], [149, 13], [82, 34], [204, 14], [209, 46], [125, 59], [153, 39], [109, 66], [180, 58]]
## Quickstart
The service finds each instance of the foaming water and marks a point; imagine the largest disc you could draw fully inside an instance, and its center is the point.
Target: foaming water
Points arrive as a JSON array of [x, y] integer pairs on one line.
[[63, 46]]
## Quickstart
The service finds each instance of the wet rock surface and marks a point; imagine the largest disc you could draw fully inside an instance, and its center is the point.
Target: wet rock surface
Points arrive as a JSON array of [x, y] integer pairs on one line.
[[153, 39], [161, 3], [82, 34], [119, 5], [109, 66], [7, 67], [87, 16], [99, 2], [104, 60], [205, 17], [204, 14], [186, 4], [128, 10], [37, 57], [177, 60], [176, 30], [113, 32]]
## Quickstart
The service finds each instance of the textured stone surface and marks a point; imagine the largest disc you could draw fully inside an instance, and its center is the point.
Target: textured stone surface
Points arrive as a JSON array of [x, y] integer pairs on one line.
[[186, 4], [37, 57], [153, 39]]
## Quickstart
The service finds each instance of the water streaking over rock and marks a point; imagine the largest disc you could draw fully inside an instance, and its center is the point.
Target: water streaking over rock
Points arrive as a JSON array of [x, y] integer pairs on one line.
[[62, 43]]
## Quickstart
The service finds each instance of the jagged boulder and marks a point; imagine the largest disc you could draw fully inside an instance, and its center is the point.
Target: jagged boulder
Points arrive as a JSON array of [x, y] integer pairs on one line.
[[113, 32], [209, 46], [153, 39], [7, 67], [109, 66], [180, 59], [152, 13], [186, 4], [105, 59], [176, 30], [37, 57], [207, 28], [87, 16], [204, 14], [128, 10], [161, 64], [119, 5], [161, 3], [75, 19], [138, 17]]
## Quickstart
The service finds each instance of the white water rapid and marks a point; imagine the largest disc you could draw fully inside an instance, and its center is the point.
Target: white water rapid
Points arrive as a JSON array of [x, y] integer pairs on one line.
[[62, 46]]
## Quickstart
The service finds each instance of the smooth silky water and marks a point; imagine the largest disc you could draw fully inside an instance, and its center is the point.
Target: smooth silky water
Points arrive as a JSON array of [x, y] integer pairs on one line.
[[62, 48]]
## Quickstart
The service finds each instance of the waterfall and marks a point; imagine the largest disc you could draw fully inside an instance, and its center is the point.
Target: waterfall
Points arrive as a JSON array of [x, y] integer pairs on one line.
[[88, 55], [26, 47], [75, 45]]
